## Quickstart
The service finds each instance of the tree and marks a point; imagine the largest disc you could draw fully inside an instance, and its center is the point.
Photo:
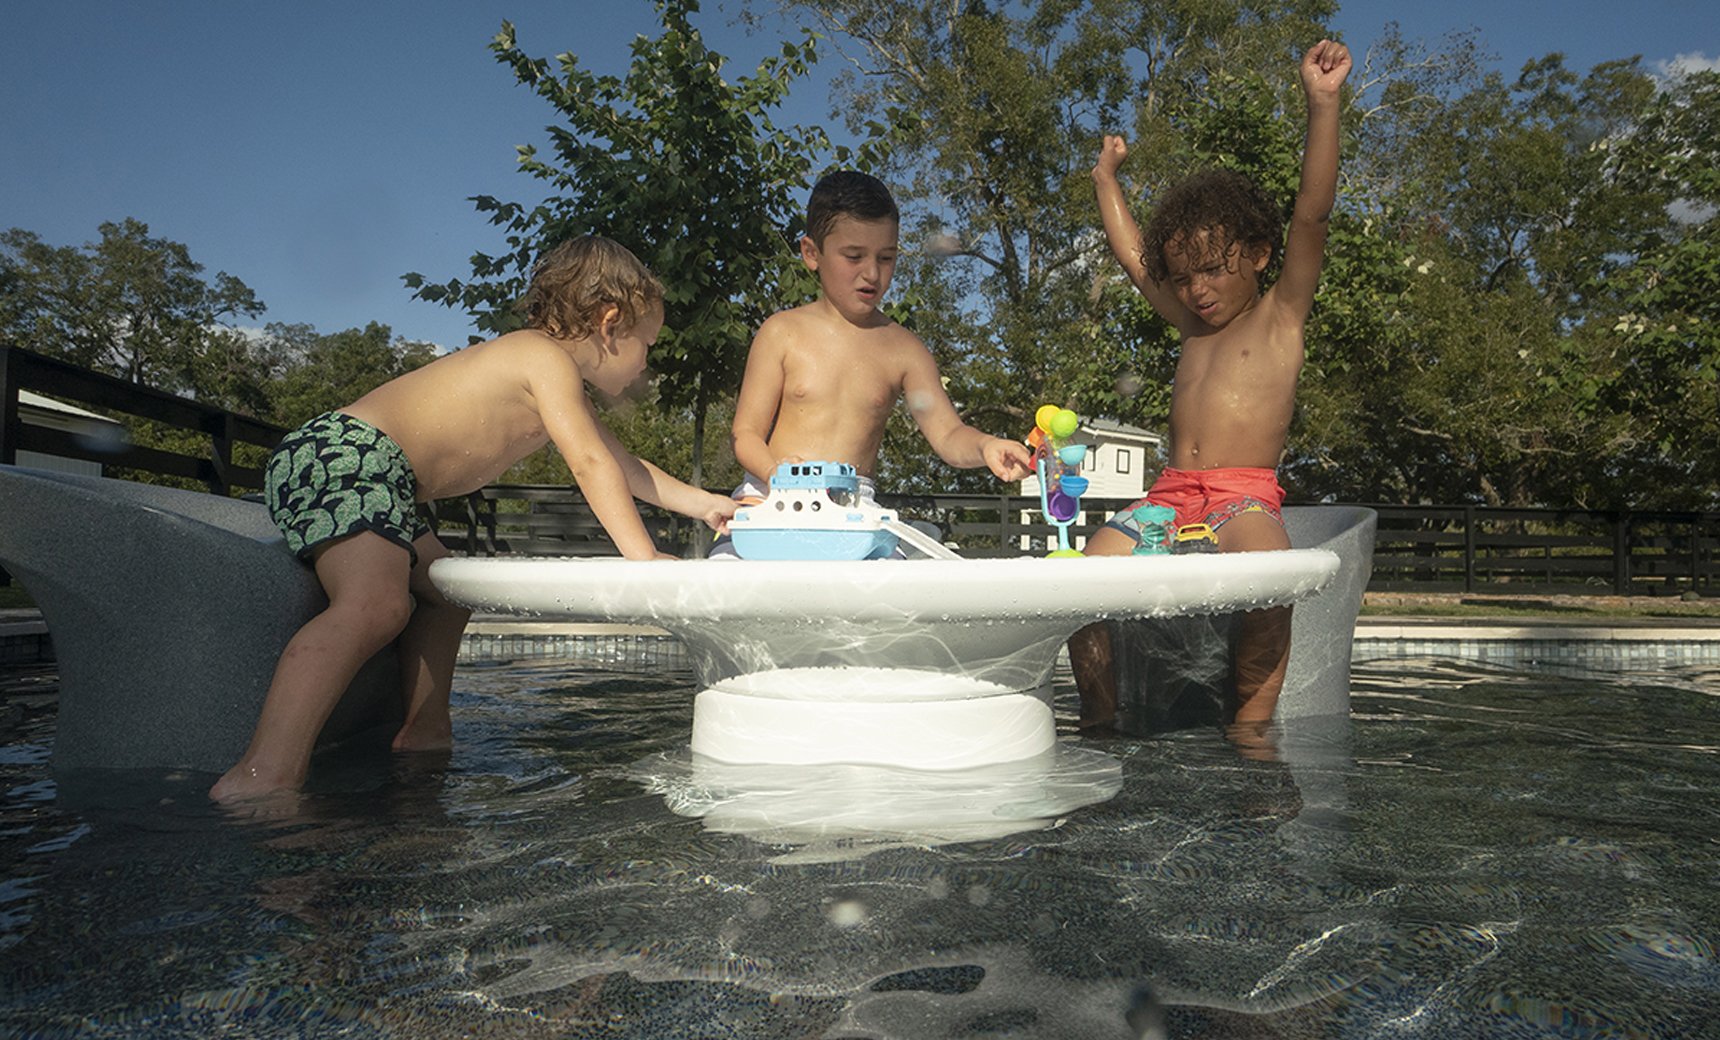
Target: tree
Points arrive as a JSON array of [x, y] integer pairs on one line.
[[683, 167], [131, 305], [319, 373], [1649, 355]]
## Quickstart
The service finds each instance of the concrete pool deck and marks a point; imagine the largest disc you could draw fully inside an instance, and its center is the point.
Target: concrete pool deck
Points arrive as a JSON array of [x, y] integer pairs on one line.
[[1609, 643]]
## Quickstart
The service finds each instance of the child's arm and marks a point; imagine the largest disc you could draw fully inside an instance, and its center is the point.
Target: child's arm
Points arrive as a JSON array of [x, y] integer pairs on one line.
[[759, 400], [1323, 71], [956, 442], [1124, 235], [572, 425], [651, 484]]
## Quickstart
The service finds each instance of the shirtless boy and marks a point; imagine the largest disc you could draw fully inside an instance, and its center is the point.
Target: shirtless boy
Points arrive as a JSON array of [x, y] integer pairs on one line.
[[1199, 265], [343, 488], [822, 378]]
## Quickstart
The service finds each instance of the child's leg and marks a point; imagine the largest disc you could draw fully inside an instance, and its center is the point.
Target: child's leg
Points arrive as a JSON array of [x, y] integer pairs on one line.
[[1263, 636], [428, 648], [1090, 649], [365, 577]]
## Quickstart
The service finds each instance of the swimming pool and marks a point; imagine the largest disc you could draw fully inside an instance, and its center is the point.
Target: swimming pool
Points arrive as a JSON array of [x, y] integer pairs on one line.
[[1476, 853]]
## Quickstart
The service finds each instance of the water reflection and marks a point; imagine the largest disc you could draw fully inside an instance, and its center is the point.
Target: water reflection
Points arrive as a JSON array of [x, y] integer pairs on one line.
[[842, 811]]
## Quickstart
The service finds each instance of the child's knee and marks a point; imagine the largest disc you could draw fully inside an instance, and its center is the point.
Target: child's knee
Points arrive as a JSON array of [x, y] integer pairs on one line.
[[374, 616]]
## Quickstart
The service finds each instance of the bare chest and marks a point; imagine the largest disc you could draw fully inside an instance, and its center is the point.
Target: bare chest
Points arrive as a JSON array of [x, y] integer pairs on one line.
[[858, 379]]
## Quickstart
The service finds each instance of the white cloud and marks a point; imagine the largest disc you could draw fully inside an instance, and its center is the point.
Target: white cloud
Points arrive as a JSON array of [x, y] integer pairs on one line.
[[1696, 61]]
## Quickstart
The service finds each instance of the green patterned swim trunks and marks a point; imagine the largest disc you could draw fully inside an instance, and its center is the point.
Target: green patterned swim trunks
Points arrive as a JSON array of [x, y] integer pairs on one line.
[[335, 476]]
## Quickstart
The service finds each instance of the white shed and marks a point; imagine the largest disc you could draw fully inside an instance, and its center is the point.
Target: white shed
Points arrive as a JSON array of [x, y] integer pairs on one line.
[[87, 426]]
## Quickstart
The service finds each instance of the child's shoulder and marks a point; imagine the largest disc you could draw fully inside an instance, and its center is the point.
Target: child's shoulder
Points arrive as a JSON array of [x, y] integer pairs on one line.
[[792, 317], [524, 343]]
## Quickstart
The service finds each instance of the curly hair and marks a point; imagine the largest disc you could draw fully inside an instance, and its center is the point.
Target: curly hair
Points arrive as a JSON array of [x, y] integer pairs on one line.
[[1227, 205], [576, 281]]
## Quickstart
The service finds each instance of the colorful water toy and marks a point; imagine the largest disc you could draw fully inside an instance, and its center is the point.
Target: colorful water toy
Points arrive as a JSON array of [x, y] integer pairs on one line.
[[815, 511], [1158, 529], [1057, 461]]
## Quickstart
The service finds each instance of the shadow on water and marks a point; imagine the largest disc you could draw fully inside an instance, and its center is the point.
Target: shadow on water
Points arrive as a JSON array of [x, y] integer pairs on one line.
[[1477, 853]]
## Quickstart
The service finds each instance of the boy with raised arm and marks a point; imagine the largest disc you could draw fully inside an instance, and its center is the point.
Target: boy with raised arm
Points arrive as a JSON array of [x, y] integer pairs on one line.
[[343, 489], [1199, 265], [822, 378]]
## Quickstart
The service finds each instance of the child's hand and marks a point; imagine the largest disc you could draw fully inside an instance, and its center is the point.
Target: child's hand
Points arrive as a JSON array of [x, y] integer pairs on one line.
[[1323, 70], [722, 507], [1008, 460], [1111, 155]]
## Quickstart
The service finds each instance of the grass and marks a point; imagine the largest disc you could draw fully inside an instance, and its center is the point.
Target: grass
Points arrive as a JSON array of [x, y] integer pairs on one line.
[[1571, 608], [13, 595]]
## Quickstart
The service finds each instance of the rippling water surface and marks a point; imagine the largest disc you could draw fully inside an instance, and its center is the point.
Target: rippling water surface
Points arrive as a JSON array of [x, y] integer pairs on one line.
[[1473, 854]]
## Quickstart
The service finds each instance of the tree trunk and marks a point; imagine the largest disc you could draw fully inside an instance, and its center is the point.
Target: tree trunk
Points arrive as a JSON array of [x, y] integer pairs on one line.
[[700, 541]]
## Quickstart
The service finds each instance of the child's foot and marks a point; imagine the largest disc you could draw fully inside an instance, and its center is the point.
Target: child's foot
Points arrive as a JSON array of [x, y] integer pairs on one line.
[[246, 782]]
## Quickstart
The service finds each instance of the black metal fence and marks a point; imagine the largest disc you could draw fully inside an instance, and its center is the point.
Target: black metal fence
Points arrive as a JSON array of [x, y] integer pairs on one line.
[[1424, 548], [1421, 548], [216, 431]]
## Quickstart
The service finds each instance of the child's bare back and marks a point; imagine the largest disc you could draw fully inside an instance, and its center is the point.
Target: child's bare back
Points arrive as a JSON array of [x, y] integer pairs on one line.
[[466, 417]]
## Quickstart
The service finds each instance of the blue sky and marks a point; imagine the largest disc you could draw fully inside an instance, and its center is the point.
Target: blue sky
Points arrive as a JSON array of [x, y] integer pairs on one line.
[[319, 150]]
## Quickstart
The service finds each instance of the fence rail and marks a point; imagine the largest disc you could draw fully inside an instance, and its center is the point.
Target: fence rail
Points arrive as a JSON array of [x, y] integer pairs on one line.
[[214, 468], [1422, 548], [1426, 548]]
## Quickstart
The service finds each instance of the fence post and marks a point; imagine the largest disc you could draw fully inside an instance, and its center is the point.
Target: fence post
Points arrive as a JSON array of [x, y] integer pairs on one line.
[[1468, 549], [221, 457], [11, 423], [1621, 553]]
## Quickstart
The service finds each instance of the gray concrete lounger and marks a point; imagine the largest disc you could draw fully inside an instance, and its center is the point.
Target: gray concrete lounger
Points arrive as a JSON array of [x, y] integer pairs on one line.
[[168, 610]]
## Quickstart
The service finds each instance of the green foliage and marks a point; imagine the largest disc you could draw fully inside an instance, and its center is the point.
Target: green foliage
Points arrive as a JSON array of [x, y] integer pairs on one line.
[[133, 306], [683, 167], [320, 373], [1518, 300]]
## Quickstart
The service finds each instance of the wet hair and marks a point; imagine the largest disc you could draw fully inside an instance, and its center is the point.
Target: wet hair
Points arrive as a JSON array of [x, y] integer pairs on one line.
[[1229, 207], [574, 282], [846, 193]]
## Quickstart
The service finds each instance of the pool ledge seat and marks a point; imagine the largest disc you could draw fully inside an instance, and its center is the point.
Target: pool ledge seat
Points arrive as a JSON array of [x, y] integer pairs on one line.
[[167, 610], [1174, 673]]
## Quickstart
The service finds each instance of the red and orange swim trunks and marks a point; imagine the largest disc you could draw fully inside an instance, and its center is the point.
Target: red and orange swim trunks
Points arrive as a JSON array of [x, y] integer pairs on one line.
[[1208, 496]]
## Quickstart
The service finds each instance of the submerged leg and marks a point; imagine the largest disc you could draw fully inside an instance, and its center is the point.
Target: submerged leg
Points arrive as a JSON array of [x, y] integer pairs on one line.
[[1263, 636], [1090, 653], [428, 648], [365, 577]]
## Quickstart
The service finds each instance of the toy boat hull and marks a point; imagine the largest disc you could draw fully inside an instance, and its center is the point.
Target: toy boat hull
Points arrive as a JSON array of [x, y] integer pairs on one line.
[[802, 543]]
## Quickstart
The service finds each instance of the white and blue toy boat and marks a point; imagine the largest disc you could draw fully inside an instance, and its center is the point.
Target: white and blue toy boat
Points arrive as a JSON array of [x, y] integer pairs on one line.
[[814, 512]]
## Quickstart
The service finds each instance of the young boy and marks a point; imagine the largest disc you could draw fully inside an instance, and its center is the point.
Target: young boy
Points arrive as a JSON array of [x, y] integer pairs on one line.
[[343, 489], [1199, 265], [822, 378]]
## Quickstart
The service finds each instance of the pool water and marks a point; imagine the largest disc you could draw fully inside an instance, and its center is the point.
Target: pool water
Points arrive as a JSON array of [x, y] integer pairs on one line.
[[1474, 854]]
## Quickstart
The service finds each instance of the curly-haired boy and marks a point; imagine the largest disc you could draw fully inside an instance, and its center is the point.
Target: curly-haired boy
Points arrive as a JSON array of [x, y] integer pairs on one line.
[[1199, 264]]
